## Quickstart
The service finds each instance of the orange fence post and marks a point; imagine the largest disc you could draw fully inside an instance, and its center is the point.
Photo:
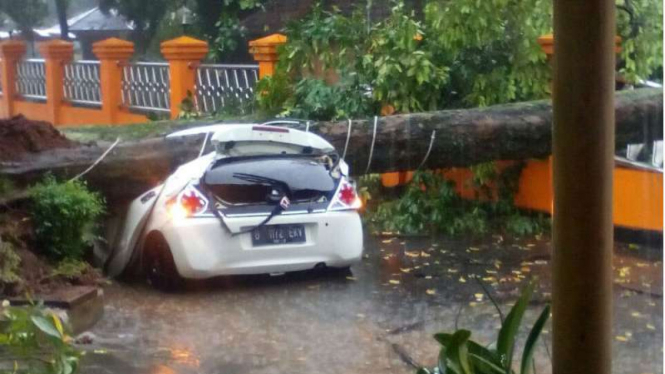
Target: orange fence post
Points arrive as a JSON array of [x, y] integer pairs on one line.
[[184, 55], [57, 53], [11, 51], [264, 51], [112, 53]]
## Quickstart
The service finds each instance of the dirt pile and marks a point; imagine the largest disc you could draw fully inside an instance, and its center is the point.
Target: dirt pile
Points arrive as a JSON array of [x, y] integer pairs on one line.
[[19, 135]]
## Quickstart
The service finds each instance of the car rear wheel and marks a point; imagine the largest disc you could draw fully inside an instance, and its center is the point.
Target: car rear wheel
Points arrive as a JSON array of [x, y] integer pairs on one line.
[[158, 265]]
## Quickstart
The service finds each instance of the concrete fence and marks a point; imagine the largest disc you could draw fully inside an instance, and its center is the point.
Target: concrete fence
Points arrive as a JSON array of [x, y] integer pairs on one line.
[[116, 90]]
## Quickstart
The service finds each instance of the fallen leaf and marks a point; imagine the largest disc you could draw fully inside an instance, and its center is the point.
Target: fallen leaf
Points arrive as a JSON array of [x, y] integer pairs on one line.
[[408, 270], [650, 326], [636, 314], [490, 271], [351, 278], [462, 280], [624, 271], [479, 296], [431, 291], [423, 254], [633, 246], [621, 338], [387, 241], [412, 254], [393, 281], [452, 271], [428, 277], [540, 262]]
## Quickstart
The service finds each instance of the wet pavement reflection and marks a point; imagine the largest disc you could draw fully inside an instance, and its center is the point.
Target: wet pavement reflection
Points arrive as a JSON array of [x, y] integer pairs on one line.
[[379, 317]]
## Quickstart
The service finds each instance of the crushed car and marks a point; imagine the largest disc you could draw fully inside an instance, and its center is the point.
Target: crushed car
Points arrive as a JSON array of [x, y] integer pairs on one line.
[[267, 199]]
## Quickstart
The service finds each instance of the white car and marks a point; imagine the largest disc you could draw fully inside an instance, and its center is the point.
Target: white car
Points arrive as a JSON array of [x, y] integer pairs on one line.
[[268, 199]]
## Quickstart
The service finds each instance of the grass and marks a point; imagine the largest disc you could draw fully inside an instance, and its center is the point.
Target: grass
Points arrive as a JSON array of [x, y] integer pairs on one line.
[[142, 130]]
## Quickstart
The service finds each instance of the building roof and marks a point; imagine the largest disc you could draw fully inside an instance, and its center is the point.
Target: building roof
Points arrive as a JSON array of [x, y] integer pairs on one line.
[[90, 20]]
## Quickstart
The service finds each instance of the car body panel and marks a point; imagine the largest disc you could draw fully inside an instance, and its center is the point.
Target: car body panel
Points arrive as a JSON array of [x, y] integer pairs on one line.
[[210, 244], [203, 248]]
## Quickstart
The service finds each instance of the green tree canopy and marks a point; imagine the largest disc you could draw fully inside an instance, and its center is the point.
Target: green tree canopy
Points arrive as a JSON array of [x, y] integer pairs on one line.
[[27, 16]]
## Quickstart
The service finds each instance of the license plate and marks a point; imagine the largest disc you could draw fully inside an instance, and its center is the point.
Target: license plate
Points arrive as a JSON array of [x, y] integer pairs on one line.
[[278, 234]]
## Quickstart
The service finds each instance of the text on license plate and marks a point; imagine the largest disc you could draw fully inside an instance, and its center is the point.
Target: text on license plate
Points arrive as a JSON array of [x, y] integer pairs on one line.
[[278, 234]]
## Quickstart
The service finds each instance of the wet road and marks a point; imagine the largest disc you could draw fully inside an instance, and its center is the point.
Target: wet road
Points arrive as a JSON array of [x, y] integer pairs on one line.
[[379, 318]]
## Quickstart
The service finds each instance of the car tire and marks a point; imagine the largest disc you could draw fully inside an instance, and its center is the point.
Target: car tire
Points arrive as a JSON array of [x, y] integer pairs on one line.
[[158, 265], [341, 271]]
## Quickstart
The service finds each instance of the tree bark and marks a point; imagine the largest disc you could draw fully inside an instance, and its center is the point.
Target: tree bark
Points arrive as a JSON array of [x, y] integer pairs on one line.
[[460, 138], [61, 9]]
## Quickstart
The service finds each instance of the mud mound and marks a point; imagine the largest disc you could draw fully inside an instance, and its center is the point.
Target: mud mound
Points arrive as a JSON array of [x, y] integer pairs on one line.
[[19, 135]]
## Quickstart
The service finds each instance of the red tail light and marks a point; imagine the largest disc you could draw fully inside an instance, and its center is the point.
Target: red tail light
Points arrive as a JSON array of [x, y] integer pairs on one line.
[[346, 197], [187, 203]]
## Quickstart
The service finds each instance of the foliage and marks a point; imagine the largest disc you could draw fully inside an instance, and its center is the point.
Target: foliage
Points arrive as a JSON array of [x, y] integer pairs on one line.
[[9, 265], [29, 15], [144, 15], [219, 21], [407, 71], [229, 32], [70, 269], [459, 54], [316, 100], [460, 355], [36, 341], [492, 47], [63, 215], [640, 25], [273, 93], [188, 108], [6, 187], [331, 61], [430, 203]]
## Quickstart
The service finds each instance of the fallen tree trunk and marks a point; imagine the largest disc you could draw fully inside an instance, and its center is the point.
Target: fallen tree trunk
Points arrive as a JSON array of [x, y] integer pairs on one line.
[[456, 138]]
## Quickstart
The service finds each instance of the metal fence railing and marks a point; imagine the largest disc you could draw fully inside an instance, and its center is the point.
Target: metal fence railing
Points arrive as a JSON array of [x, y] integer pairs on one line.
[[31, 79], [146, 86], [221, 85], [82, 83]]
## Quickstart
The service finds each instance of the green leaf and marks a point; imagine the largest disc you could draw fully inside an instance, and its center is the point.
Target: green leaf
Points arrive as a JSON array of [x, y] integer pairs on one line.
[[457, 352], [530, 345], [510, 327], [46, 326], [484, 359]]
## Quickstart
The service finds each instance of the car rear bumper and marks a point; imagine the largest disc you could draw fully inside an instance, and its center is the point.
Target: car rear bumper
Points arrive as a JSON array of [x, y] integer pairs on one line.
[[204, 248]]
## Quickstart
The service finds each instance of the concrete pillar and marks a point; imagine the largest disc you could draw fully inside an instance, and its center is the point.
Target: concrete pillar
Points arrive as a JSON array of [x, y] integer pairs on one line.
[[583, 151], [184, 55], [57, 53], [112, 53], [11, 51], [264, 51]]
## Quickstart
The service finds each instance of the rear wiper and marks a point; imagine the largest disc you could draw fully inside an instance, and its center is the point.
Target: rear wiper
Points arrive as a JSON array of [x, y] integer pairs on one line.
[[253, 178], [282, 199]]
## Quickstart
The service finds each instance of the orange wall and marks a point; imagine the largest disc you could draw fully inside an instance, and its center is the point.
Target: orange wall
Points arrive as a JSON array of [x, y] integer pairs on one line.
[[638, 199], [72, 115], [638, 194]]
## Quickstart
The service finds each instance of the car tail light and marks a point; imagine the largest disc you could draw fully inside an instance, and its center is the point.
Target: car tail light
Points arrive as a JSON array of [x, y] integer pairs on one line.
[[346, 197], [187, 203]]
